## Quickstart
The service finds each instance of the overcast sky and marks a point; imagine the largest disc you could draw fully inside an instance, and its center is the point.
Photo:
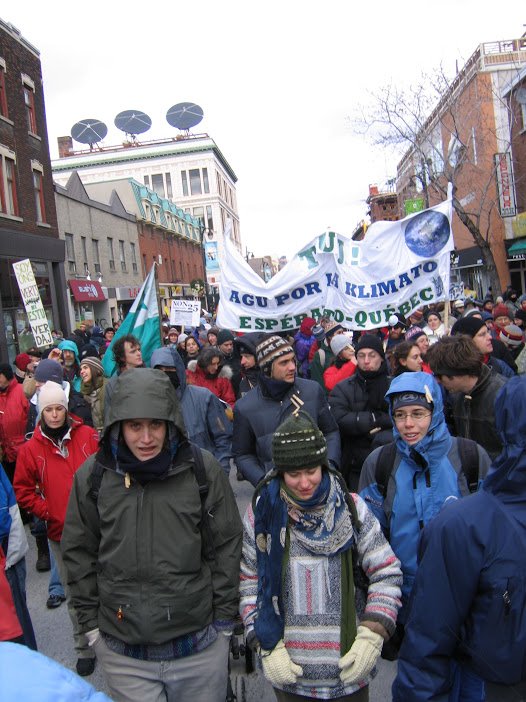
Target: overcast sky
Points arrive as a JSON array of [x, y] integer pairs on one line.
[[277, 82]]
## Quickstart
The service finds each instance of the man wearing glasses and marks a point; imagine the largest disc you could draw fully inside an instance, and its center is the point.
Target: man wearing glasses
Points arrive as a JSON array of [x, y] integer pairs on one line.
[[406, 483]]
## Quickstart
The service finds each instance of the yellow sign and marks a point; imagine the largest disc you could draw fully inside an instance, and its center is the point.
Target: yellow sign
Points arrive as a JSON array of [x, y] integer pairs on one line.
[[518, 225]]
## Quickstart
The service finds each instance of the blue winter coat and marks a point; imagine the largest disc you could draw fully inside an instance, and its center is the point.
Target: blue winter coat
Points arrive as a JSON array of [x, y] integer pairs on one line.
[[469, 600], [203, 413], [28, 676], [424, 477]]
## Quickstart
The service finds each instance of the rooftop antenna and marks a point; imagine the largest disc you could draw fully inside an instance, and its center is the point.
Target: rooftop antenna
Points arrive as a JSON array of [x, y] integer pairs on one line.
[[89, 131], [133, 122], [184, 116]]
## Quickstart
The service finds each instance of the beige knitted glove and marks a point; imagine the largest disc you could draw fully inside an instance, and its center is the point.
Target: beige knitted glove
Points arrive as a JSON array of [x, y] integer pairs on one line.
[[362, 656], [278, 667]]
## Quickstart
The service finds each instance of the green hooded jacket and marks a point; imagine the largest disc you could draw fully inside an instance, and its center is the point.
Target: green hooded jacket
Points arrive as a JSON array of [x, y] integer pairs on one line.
[[134, 555]]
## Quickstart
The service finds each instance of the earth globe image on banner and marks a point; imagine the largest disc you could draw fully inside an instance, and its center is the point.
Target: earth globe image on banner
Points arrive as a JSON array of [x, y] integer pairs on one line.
[[427, 233]]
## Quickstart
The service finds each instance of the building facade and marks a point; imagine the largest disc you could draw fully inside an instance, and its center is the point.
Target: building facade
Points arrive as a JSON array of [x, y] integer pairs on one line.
[[28, 219], [102, 264], [167, 236], [189, 170], [468, 139]]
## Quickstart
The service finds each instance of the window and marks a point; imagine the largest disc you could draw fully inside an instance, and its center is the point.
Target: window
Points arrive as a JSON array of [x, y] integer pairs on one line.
[[3, 95], [133, 257], [195, 181], [206, 187], [38, 185], [96, 258], [169, 193], [70, 253], [184, 182], [523, 113], [158, 184], [84, 254], [8, 191], [29, 98], [122, 255], [147, 181], [199, 213], [111, 257], [209, 218]]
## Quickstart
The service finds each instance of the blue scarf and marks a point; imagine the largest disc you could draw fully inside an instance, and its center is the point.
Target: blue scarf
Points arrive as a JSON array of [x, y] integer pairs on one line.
[[323, 525]]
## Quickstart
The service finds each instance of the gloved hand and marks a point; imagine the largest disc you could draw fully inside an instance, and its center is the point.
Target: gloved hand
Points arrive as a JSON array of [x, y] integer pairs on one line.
[[278, 667], [362, 656], [92, 636]]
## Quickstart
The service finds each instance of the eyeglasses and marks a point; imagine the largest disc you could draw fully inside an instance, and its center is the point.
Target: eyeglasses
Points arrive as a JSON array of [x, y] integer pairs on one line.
[[416, 415]]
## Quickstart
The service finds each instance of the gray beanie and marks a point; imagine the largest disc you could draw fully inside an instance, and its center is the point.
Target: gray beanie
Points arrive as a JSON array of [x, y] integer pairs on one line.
[[339, 343]]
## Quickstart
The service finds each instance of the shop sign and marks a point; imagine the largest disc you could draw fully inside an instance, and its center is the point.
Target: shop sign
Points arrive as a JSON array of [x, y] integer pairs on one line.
[[33, 303], [87, 291], [505, 185], [127, 292]]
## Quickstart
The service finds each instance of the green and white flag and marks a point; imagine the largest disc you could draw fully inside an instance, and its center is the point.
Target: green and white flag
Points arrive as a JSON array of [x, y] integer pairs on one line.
[[142, 321]]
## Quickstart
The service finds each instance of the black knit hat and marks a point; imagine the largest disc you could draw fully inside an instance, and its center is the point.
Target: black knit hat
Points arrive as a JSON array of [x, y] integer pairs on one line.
[[298, 443], [5, 369], [224, 335], [48, 369], [404, 399], [370, 341], [467, 325], [269, 350]]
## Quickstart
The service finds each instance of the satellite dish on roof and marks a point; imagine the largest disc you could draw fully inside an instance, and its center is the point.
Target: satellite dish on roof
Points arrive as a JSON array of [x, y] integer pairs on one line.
[[133, 122], [520, 96], [184, 115], [89, 131]]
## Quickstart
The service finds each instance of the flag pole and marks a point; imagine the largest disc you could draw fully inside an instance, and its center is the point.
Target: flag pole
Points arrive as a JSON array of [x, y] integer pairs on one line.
[[158, 298]]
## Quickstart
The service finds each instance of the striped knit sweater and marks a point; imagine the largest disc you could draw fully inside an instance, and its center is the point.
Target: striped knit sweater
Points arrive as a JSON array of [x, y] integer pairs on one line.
[[312, 602]]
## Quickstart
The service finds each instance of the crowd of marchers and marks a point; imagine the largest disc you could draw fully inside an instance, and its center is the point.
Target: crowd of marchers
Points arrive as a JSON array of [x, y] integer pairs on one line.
[[387, 519]]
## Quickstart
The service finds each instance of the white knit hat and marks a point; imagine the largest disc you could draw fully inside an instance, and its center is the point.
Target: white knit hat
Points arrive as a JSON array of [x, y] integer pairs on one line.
[[51, 394], [340, 342]]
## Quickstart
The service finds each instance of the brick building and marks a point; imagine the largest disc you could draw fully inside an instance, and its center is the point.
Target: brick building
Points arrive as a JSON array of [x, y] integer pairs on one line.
[[28, 219], [468, 139]]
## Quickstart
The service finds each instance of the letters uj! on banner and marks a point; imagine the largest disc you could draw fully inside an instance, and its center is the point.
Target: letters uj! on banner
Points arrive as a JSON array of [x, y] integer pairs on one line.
[[33, 303], [398, 267]]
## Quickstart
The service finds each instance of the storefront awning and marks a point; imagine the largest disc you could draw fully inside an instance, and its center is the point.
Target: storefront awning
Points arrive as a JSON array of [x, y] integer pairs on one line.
[[87, 291], [518, 248]]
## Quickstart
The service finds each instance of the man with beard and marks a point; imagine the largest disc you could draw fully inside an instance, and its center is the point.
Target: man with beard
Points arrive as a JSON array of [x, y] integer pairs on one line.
[[277, 395], [225, 343], [203, 413], [246, 347], [359, 406], [71, 363]]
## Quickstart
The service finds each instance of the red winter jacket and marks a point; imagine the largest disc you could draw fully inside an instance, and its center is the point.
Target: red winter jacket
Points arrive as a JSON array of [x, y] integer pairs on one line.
[[9, 625], [333, 375], [42, 462], [14, 407], [220, 386]]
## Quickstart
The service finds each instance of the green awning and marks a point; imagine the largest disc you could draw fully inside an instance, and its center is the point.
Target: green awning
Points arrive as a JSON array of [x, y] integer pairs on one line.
[[519, 247]]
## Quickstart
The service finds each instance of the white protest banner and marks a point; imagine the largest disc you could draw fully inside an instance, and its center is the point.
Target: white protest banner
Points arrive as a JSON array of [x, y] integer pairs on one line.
[[185, 312], [398, 267], [33, 303]]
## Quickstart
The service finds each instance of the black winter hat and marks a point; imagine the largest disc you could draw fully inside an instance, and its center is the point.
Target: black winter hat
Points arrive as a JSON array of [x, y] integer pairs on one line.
[[5, 369], [467, 325], [370, 341], [224, 335], [48, 369], [407, 398], [298, 443]]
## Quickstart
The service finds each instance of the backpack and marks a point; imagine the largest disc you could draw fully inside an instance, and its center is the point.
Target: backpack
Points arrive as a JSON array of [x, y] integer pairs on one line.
[[95, 480], [469, 459]]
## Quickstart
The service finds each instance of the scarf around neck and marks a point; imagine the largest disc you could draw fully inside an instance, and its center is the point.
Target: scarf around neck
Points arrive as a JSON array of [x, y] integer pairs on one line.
[[275, 389], [323, 526]]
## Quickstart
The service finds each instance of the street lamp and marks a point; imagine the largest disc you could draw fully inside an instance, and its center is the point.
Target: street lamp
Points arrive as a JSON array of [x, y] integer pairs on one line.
[[210, 233]]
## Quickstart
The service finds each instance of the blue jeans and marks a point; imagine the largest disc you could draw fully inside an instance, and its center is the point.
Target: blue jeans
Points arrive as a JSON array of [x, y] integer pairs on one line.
[[55, 586]]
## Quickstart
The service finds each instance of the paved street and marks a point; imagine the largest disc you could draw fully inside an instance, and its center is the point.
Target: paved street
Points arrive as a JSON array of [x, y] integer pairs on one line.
[[54, 638]]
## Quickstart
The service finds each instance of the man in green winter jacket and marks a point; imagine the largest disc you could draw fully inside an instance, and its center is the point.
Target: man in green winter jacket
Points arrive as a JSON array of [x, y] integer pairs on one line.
[[153, 580]]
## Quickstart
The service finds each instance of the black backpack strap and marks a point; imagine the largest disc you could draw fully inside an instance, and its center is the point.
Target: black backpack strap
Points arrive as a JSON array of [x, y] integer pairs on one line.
[[384, 467], [469, 461], [95, 479], [209, 552]]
